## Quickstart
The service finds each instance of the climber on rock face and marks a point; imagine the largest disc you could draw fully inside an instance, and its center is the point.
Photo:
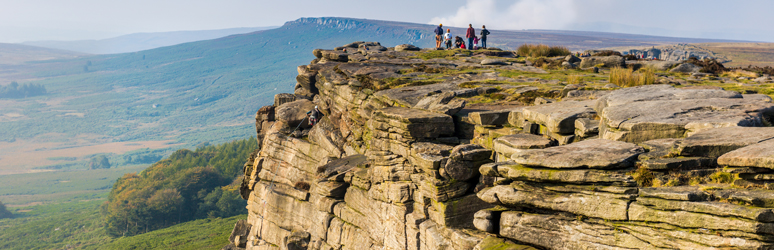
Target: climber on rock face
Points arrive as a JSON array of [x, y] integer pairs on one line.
[[314, 116]]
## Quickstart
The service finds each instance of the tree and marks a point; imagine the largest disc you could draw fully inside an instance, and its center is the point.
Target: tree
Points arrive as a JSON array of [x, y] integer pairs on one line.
[[4, 213], [99, 162]]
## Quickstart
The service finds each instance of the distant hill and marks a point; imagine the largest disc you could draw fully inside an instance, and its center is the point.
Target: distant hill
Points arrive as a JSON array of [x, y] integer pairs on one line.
[[140, 41], [16, 54]]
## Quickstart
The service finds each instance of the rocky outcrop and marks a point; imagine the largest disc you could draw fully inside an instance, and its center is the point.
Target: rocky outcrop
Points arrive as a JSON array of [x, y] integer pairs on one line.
[[402, 160]]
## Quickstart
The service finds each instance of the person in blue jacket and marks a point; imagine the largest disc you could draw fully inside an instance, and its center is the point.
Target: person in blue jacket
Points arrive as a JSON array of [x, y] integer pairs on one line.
[[438, 34]]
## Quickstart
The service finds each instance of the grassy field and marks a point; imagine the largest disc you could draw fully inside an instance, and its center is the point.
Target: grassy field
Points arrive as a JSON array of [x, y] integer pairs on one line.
[[22, 190], [744, 54], [78, 225]]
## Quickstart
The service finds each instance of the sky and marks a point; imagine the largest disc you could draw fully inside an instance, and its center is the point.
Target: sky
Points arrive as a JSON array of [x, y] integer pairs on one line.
[[33, 20]]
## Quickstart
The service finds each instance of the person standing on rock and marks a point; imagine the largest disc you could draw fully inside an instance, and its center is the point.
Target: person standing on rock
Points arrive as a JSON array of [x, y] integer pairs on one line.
[[447, 38], [484, 33], [470, 35], [438, 33], [314, 116]]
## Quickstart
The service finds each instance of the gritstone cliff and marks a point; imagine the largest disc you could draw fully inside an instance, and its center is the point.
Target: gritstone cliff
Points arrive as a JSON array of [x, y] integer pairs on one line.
[[409, 156]]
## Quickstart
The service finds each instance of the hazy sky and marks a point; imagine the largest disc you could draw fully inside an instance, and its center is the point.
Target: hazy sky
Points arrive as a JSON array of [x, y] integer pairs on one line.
[[27, 20]]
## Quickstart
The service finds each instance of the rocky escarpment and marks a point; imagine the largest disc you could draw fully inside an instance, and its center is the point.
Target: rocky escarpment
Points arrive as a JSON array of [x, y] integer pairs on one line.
[[408, 155]]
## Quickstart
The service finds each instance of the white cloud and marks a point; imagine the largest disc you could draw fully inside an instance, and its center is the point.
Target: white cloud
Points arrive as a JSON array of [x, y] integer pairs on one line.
[[516, 15]]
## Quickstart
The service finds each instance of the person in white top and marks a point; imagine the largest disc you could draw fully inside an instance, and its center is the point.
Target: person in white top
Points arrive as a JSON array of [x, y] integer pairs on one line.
[[447, 38]]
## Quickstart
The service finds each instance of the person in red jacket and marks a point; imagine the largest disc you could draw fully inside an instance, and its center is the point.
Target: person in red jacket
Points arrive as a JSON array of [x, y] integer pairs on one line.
[[470, 35]]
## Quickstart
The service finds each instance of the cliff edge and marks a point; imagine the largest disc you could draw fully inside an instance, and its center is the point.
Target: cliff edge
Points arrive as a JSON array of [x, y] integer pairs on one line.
[[426, 149]]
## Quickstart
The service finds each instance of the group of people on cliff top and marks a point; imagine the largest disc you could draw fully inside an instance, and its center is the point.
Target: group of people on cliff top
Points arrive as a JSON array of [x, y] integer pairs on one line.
[[459, 43]]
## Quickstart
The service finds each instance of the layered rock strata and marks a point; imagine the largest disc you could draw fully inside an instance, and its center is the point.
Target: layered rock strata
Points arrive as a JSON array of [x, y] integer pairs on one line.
[[400, 160]]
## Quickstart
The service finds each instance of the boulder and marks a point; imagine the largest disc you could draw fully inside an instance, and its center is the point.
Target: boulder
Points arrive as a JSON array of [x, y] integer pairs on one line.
[[572, 59], [487, 220], [336, 56], [585, 127], [760, 155], [465, 160], [239, 233], [596, 153], [443, 103], [407, 47], [606, 61], [686, 68], [715, 142], [493, 117], [568, 65], [294, 113], [283, 98], [559, 117]]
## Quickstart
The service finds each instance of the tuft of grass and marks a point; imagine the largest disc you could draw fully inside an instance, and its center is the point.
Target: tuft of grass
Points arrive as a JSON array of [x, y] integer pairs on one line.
[[574, 79], [628, 78], [541, 50], [643, 177], [722, 177]]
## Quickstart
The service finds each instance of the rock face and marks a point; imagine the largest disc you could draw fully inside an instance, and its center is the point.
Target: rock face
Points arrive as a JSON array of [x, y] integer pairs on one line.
[[401, 162]]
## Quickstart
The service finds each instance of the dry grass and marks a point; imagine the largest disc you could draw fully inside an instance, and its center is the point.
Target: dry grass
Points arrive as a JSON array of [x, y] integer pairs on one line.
[[628, 78], [738, 73], [541, 50], [574, 79], [744, 54]]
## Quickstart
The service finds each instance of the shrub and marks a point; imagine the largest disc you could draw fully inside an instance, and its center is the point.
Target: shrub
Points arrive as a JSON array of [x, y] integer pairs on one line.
[[302, 185], [628, 78], [541, 50], [4, 213]]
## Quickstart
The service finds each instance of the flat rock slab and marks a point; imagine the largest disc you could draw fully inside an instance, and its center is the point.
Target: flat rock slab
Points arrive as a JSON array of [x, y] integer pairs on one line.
[[512, 171], [591, 205], [413, 123], [509, 144], [659, 92], [683, 163], [596, 153], [648, 120], [680, 193], [759, 198], [559, 117], [718, 141], [759, 155], [410, 96]]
